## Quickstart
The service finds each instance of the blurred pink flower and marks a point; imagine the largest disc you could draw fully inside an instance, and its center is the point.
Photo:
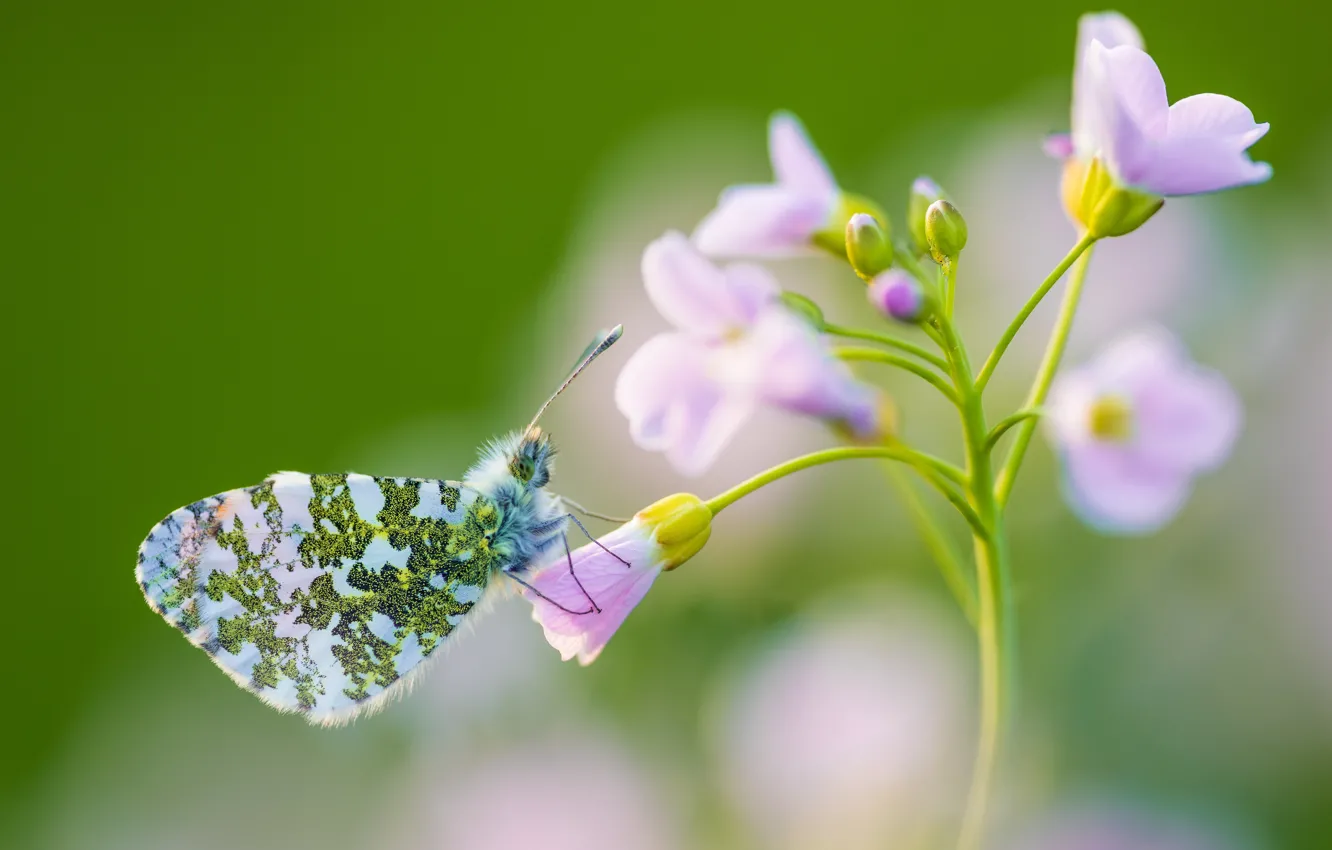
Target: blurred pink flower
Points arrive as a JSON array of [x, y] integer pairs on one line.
[[1121, 115], [780, 218], [1135, 426], [688, 392], [581, 794], [581, 600], [849, 730]]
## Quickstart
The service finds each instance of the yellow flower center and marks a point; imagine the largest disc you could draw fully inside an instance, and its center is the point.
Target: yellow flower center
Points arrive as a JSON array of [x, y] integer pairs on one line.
[[1111, 419]]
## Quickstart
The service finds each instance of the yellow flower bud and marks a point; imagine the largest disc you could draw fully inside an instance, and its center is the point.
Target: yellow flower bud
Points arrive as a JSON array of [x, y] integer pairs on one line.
[[680, 524]]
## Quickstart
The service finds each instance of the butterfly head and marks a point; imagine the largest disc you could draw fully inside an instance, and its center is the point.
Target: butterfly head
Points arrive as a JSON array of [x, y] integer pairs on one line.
[[530, 459]]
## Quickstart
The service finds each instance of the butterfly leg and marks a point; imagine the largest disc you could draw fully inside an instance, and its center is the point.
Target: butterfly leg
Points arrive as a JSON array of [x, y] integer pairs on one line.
[[589, 536], [585, 512], [593, 609]]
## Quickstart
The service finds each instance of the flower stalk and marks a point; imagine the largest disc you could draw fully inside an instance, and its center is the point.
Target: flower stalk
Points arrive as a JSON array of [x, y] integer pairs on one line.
[[1040, 387]]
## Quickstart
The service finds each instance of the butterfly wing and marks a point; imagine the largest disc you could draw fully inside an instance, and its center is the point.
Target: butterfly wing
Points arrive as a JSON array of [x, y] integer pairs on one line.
[[321, 593]]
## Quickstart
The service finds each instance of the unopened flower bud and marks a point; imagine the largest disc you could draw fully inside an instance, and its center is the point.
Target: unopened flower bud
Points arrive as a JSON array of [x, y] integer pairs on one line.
[[884, 427], [833, 237], [945, 231], [805, 309], [680, 525], [924, 192], [867, 246], [899, 296]]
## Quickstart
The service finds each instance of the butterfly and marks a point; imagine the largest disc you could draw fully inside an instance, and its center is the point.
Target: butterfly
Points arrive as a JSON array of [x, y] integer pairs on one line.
[[323, 594]]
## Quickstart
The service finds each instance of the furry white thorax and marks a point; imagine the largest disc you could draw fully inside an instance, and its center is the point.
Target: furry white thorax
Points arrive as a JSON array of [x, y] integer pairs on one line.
[[530, 517]]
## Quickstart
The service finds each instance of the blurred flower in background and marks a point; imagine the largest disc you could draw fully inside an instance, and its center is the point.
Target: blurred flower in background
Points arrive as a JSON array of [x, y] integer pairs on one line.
[[578, 793], [848, 729], [1134, 426], [778, 219]]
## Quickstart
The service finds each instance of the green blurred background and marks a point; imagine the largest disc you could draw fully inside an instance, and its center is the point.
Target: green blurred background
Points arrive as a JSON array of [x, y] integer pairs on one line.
[[224, 225]]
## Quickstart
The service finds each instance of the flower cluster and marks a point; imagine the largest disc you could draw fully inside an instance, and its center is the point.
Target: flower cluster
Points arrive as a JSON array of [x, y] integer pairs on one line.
[[1132, 429], [736, 346]]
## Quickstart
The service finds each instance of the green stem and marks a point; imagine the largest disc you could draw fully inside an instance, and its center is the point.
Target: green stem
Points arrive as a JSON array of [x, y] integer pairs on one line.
[[1002, 426], [992, 362], [950, 285], [994, 624], [891, 342], [1054, 352], [876, 356], [950, 567], [939, 470]]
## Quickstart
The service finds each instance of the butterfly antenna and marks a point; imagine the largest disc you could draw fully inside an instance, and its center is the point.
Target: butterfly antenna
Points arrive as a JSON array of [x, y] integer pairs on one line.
[[600, 343]]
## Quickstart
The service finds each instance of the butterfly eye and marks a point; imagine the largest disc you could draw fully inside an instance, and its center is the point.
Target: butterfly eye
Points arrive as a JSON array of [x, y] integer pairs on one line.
[[523, 468]]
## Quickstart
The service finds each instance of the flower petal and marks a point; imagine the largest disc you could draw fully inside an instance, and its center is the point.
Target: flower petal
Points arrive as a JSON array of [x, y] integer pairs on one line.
[[763, 221], [1205, 148], [696, 296], [796, 163], [1214, 115], [1189, 419], [786, 364], [591, 574], [1125, 110], [675, 406], [1058, 146], [1111, 29], [1117, 491]]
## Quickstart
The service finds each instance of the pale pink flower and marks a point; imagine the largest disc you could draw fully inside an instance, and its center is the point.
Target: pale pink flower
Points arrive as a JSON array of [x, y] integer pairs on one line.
[[1135, 426], [780, 218], [1122, 117], [581, 600], [737, 347], [848, 728]]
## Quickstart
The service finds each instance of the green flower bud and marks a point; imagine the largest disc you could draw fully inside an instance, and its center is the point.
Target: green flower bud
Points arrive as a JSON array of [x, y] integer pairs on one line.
[[867, 246], [924, 192], [945, 231], [833, 238]]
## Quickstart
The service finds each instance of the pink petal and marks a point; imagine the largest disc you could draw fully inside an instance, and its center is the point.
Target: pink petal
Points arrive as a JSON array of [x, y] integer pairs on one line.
[[1115, 490], [1214, 115], [763, 221], [1188, 418], [1058, 146], [571, 584], [696, 296], [1205, 148], [1126, 110], [1111, 29], [796, 163], [675, 406], [786, 364]]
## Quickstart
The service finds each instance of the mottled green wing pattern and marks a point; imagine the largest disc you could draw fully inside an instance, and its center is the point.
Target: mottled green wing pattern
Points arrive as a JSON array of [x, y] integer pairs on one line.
[[320, 593]]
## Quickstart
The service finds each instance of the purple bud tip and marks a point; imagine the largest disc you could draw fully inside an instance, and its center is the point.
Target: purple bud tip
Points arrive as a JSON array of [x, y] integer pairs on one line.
[[927, 187], [897, 295]]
